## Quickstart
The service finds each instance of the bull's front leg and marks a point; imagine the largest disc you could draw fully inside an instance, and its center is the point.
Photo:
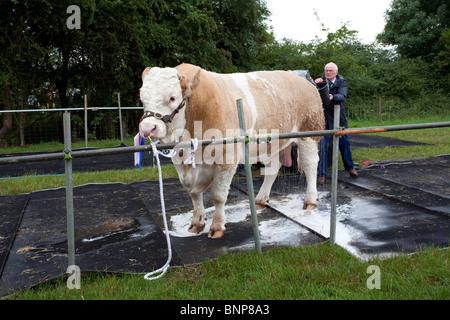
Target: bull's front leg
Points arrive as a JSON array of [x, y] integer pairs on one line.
[[219, 194], [198, 221]]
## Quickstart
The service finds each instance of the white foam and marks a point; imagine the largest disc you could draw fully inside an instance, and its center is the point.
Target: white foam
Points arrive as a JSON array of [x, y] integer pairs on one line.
[[319, 219], [234, 213], [284, 231]]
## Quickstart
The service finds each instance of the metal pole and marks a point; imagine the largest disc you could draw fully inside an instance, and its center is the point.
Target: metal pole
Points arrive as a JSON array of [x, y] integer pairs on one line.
[[85, 121], [69, 190], [248, 173], [120, 118], [334, 175]]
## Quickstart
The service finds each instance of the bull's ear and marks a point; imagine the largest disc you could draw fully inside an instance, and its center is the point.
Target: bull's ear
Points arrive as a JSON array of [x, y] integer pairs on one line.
[[145, 72], [188, 84]]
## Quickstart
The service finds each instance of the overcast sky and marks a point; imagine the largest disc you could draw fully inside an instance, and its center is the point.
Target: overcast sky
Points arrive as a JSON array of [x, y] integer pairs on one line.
[[295, 19]]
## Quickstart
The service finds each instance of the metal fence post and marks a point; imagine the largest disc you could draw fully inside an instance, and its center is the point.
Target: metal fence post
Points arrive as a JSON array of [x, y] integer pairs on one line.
[[120, 118], [248, 173], [334, 175], [69, 189], [85, 121]]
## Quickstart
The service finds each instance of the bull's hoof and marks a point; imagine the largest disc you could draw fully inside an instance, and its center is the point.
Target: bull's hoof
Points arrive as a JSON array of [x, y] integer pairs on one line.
[[260, 206], [196, 228], [309, 206], [216, 234]]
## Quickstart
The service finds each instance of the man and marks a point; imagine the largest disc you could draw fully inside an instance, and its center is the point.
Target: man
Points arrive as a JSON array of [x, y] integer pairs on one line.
[[338, 94]]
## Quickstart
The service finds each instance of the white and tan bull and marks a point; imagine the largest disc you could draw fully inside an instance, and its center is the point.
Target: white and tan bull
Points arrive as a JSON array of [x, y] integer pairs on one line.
[[273, 101]]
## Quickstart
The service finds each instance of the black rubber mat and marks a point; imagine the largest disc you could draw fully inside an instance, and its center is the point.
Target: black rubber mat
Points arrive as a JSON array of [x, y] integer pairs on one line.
[[390, 207], [360, 141]]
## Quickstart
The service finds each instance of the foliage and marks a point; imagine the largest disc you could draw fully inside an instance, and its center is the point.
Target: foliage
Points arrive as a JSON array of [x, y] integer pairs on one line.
[[406, 85], [416, 27]]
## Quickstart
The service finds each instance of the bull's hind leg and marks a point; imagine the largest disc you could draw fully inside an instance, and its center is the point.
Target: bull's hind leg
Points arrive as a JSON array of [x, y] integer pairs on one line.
[[270, 175], [308, 158], [219, 194], [272, 165]]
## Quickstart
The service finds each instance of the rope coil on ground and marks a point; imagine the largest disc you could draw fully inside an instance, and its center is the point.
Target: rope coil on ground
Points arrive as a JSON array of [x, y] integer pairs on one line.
[[163, 269]]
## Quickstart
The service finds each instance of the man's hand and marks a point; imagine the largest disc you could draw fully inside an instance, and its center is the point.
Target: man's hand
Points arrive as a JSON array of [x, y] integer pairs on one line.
[[318, 80]]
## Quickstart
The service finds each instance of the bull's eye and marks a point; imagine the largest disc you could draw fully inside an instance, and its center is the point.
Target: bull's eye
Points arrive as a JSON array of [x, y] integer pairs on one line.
[[172, 99]]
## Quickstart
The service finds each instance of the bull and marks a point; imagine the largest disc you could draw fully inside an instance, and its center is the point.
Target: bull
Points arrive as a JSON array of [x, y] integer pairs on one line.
[[188, 101]]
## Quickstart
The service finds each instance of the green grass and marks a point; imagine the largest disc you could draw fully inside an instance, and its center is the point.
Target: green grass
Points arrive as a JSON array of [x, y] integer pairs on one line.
[[32, 182], [29, 183], [438, 141], [322, 271], [59, 146], [437, 138]]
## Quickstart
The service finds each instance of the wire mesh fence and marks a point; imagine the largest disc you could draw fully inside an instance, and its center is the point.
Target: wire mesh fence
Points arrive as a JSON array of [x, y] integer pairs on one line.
[[35, 126]]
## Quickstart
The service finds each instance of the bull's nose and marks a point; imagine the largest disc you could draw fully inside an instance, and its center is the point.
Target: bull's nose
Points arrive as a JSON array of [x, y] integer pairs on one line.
[[148, 130]]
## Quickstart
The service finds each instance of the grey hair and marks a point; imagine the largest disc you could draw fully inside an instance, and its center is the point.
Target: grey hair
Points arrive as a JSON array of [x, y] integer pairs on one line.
[[332, 64]]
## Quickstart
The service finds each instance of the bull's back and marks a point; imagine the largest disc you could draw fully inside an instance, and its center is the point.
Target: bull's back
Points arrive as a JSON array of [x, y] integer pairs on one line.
[[286, 102], [273, 100]]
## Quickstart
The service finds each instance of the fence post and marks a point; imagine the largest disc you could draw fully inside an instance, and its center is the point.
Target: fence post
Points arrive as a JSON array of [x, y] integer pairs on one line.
[[69, 189], [334, 175], [248, 173], [85, 121], [120, 118]]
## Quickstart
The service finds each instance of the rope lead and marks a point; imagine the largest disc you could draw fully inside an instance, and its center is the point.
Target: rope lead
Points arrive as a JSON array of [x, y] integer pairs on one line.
[[163, 269]]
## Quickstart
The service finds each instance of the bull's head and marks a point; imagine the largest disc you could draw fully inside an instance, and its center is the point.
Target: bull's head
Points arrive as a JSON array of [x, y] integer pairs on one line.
[[161, 95]]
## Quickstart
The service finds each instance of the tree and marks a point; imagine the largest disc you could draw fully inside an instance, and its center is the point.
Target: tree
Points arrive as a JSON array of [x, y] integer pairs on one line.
[[21, 59], [222, 36], [117, 39], [241, 29], [416, 27], [442, 61]]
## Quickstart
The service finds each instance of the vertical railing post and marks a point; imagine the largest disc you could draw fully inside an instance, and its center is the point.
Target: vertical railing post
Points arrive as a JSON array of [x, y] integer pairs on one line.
[[120, 118], [248, 173], [85, 121], [69, 189], [334, 175]]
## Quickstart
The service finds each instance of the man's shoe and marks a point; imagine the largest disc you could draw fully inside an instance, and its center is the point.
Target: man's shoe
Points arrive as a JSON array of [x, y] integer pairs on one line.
[[321, 180], [353, 173]]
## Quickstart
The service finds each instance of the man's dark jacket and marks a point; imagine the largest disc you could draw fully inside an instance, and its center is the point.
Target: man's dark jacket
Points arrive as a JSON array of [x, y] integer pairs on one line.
[[339, 92]]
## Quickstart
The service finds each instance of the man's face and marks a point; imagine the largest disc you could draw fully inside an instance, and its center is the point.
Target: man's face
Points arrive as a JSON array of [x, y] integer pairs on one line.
[[330, 73]]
